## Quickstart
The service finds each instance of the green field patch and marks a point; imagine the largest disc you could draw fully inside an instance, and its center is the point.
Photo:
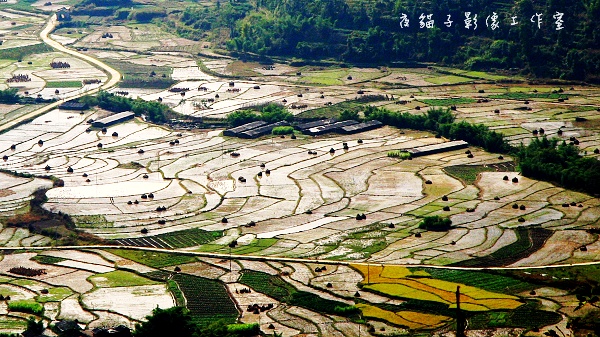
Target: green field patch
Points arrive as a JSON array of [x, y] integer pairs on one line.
[[483, 280], [55, 294], [274, 286], [448, 79], [206, 299], [467, 173], [448, 101], [26, 306], [328, 77], [119, 278], [45, 259], [427, 209], [25, 282], [153, 259], [64, 84]]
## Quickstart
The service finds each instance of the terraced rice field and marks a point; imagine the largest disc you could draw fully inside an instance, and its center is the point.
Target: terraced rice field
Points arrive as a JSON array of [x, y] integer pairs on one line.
[[174, 196], [140, 189]]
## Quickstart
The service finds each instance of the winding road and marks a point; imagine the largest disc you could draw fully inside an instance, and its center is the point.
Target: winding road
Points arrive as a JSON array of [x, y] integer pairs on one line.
[[113, 75]]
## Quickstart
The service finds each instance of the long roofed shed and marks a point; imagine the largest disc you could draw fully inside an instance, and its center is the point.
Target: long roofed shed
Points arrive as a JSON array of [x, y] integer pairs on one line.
[[263, 130], [113, 119], [235, 132]]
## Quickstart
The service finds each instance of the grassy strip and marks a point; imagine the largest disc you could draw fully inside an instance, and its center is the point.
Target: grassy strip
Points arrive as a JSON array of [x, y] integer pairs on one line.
[[153, 259], [64, 84], [177, 293]]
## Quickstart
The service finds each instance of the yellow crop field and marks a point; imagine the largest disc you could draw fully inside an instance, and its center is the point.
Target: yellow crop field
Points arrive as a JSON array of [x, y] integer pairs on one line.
[[447, 296], [413, 289], [397, 281], [395, 272], [417, 320], [470, 307], [401, 290], [501, 303], [425, 319], [387, 274], [473, 292]]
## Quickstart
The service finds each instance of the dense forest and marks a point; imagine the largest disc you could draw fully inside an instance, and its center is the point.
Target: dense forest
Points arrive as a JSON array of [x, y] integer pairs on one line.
[[362, 31]]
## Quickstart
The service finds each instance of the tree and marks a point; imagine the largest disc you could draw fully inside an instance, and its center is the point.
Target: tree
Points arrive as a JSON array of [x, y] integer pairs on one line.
[[273, 113], [241, 117], [175, 321], [348, 115], [9, 96]]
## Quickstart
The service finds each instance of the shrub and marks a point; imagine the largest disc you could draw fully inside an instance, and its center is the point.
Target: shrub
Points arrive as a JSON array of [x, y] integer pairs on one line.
[[346, 311], [436, 223], [283, 130], [251, 329], [399, 154]]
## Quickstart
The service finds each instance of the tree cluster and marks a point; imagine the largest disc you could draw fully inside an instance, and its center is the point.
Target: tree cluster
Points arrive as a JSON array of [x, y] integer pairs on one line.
[[546, 159], [154, 111], [270, 113], [177, 321]]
